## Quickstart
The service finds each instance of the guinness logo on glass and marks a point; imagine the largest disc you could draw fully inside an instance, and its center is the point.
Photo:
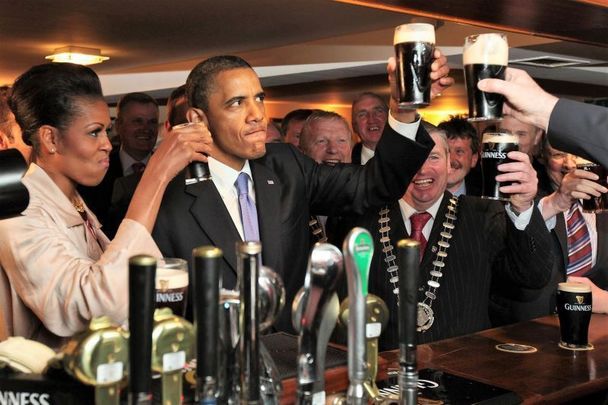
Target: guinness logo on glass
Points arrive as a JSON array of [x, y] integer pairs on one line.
[[164, 285], [580, 299]]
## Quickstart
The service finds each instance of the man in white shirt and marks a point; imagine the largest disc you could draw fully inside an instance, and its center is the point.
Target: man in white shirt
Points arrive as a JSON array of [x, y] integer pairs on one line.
[[369, 115]]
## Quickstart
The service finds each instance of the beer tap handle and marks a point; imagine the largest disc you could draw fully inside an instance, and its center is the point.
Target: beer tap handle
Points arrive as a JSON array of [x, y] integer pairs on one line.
[[358, 251], [206, 283], [248, 265], [142, 273], [408, 253], [324, 270]]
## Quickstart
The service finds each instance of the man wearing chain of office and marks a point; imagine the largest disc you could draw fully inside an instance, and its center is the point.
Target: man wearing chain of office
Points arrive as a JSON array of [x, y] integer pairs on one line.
[[470, 240]]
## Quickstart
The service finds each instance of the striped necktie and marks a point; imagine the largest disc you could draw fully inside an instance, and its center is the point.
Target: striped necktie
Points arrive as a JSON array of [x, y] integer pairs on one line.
[[579, 242]]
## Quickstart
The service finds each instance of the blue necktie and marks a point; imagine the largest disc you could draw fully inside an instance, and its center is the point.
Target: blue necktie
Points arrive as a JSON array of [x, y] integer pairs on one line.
[[249, 215]]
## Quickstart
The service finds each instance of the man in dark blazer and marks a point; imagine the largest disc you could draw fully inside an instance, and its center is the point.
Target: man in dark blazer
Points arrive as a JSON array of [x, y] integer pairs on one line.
[[225, 94], [369, 114], [484, 239]]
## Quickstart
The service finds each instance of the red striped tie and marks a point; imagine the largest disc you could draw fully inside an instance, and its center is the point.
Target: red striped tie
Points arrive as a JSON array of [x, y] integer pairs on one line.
[[418, 222], [579, 242]]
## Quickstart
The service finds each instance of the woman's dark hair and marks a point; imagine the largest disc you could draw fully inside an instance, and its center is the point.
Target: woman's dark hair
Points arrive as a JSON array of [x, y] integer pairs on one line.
[[45, 95]]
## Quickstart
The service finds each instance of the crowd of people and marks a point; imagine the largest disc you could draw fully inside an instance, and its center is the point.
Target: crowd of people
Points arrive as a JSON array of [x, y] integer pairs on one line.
[[96, 201]]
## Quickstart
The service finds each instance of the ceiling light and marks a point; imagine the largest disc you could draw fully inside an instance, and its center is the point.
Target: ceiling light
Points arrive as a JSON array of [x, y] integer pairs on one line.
[[78, 55]]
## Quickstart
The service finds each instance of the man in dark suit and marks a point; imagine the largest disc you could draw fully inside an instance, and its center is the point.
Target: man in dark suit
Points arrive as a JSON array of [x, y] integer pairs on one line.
[[465, 174], [286, 186], [470, 241], [137, 128], [369, 115]]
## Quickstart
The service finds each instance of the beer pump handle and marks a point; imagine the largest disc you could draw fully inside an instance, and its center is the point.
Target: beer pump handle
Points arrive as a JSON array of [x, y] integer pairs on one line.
[[408, 252], [206, 283], [358, 251], [142, 273], [323, 273], [248, 265]]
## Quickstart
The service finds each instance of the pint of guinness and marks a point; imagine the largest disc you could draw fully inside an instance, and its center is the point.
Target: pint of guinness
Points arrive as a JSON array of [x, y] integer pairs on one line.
[[172, 285], [574, 311], [594, 204], [414, 48], [485, 56], [494, 149]]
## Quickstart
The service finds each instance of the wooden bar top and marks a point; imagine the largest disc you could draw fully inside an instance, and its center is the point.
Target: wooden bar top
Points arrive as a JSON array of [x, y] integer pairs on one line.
[[550, 375]]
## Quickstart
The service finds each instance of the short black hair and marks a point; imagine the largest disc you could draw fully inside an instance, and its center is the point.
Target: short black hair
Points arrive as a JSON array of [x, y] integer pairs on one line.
[[46, 95], [202, 77], [300, 114], [459, 127], [129, 98]]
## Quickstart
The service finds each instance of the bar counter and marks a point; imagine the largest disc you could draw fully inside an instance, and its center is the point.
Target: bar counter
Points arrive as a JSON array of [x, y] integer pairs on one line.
[[551, 375]]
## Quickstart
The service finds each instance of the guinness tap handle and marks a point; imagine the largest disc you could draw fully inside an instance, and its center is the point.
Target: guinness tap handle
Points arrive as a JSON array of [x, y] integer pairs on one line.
[[142, 273], [408, 255], [206, 283], [358, 251]]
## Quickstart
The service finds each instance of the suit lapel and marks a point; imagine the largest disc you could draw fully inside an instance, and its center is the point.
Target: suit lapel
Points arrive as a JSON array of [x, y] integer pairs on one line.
[[209, 211], [562, 238], [268, 205]]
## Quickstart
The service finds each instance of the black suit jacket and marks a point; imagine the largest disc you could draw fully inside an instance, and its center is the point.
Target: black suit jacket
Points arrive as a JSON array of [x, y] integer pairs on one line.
[[484, 244], [580, 128], [289, 187], [99, 198], [356, 153]]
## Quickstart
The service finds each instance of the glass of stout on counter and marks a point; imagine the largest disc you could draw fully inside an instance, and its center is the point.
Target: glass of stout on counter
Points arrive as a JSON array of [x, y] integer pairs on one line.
[[172, 284], [485, 56], [574, 310], [414, 49]]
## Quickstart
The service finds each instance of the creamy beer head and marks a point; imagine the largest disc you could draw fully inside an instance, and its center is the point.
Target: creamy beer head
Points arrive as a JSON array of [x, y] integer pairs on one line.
[[414, 33], [486, 49], [170, 279], [500, 137], [574, 287]]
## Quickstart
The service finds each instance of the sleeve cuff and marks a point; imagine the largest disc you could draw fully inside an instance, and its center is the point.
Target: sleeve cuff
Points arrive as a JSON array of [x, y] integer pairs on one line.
[[522, 220], [408, 130], [549, 222]]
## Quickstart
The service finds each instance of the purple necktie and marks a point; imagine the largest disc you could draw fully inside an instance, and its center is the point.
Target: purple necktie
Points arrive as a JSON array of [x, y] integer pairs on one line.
[[249, 215]]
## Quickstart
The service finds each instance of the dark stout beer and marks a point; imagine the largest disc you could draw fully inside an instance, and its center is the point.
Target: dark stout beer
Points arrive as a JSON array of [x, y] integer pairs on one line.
[[594, 204], [485, 56], [494, 149], [414, 48], [172, 287], [574, 311]]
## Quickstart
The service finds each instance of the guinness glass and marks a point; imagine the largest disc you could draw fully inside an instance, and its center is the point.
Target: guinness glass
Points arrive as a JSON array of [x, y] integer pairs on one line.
[[494, 149], [594, 204], [414, 48], [172, 285], [574, 311], [485, 56]]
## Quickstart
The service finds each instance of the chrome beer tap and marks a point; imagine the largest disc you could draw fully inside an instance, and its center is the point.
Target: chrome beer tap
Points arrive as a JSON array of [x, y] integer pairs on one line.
[[358, 251], [315, 317]]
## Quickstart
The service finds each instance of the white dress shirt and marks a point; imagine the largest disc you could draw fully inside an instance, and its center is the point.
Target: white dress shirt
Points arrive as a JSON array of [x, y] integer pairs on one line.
[[127, 161]]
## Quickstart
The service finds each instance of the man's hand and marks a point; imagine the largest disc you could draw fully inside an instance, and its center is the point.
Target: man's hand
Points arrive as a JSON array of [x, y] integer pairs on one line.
[[523, 191], [598, 296], [525, 100], [439, 82]]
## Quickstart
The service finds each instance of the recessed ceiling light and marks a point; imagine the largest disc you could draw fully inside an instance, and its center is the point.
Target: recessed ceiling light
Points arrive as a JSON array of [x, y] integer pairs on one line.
[[78, 55]]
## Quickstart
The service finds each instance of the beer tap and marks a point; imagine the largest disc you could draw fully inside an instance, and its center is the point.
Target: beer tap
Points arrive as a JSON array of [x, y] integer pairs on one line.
[[142, 272], [248, 264], [206, 283], [172, 348], [358, 251], [316, 318], [408, 255]]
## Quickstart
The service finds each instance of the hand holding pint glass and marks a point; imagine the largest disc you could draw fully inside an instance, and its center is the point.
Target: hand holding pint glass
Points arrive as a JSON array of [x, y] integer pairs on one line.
[[414, 49], [574, 311], [594, 204], [495, 147], [172, 284], [485, 56]]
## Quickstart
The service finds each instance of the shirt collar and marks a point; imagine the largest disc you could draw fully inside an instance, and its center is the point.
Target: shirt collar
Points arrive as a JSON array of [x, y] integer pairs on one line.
[[127, 161], [366, 154], [433, 209], [224, 176], [462, 189]]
